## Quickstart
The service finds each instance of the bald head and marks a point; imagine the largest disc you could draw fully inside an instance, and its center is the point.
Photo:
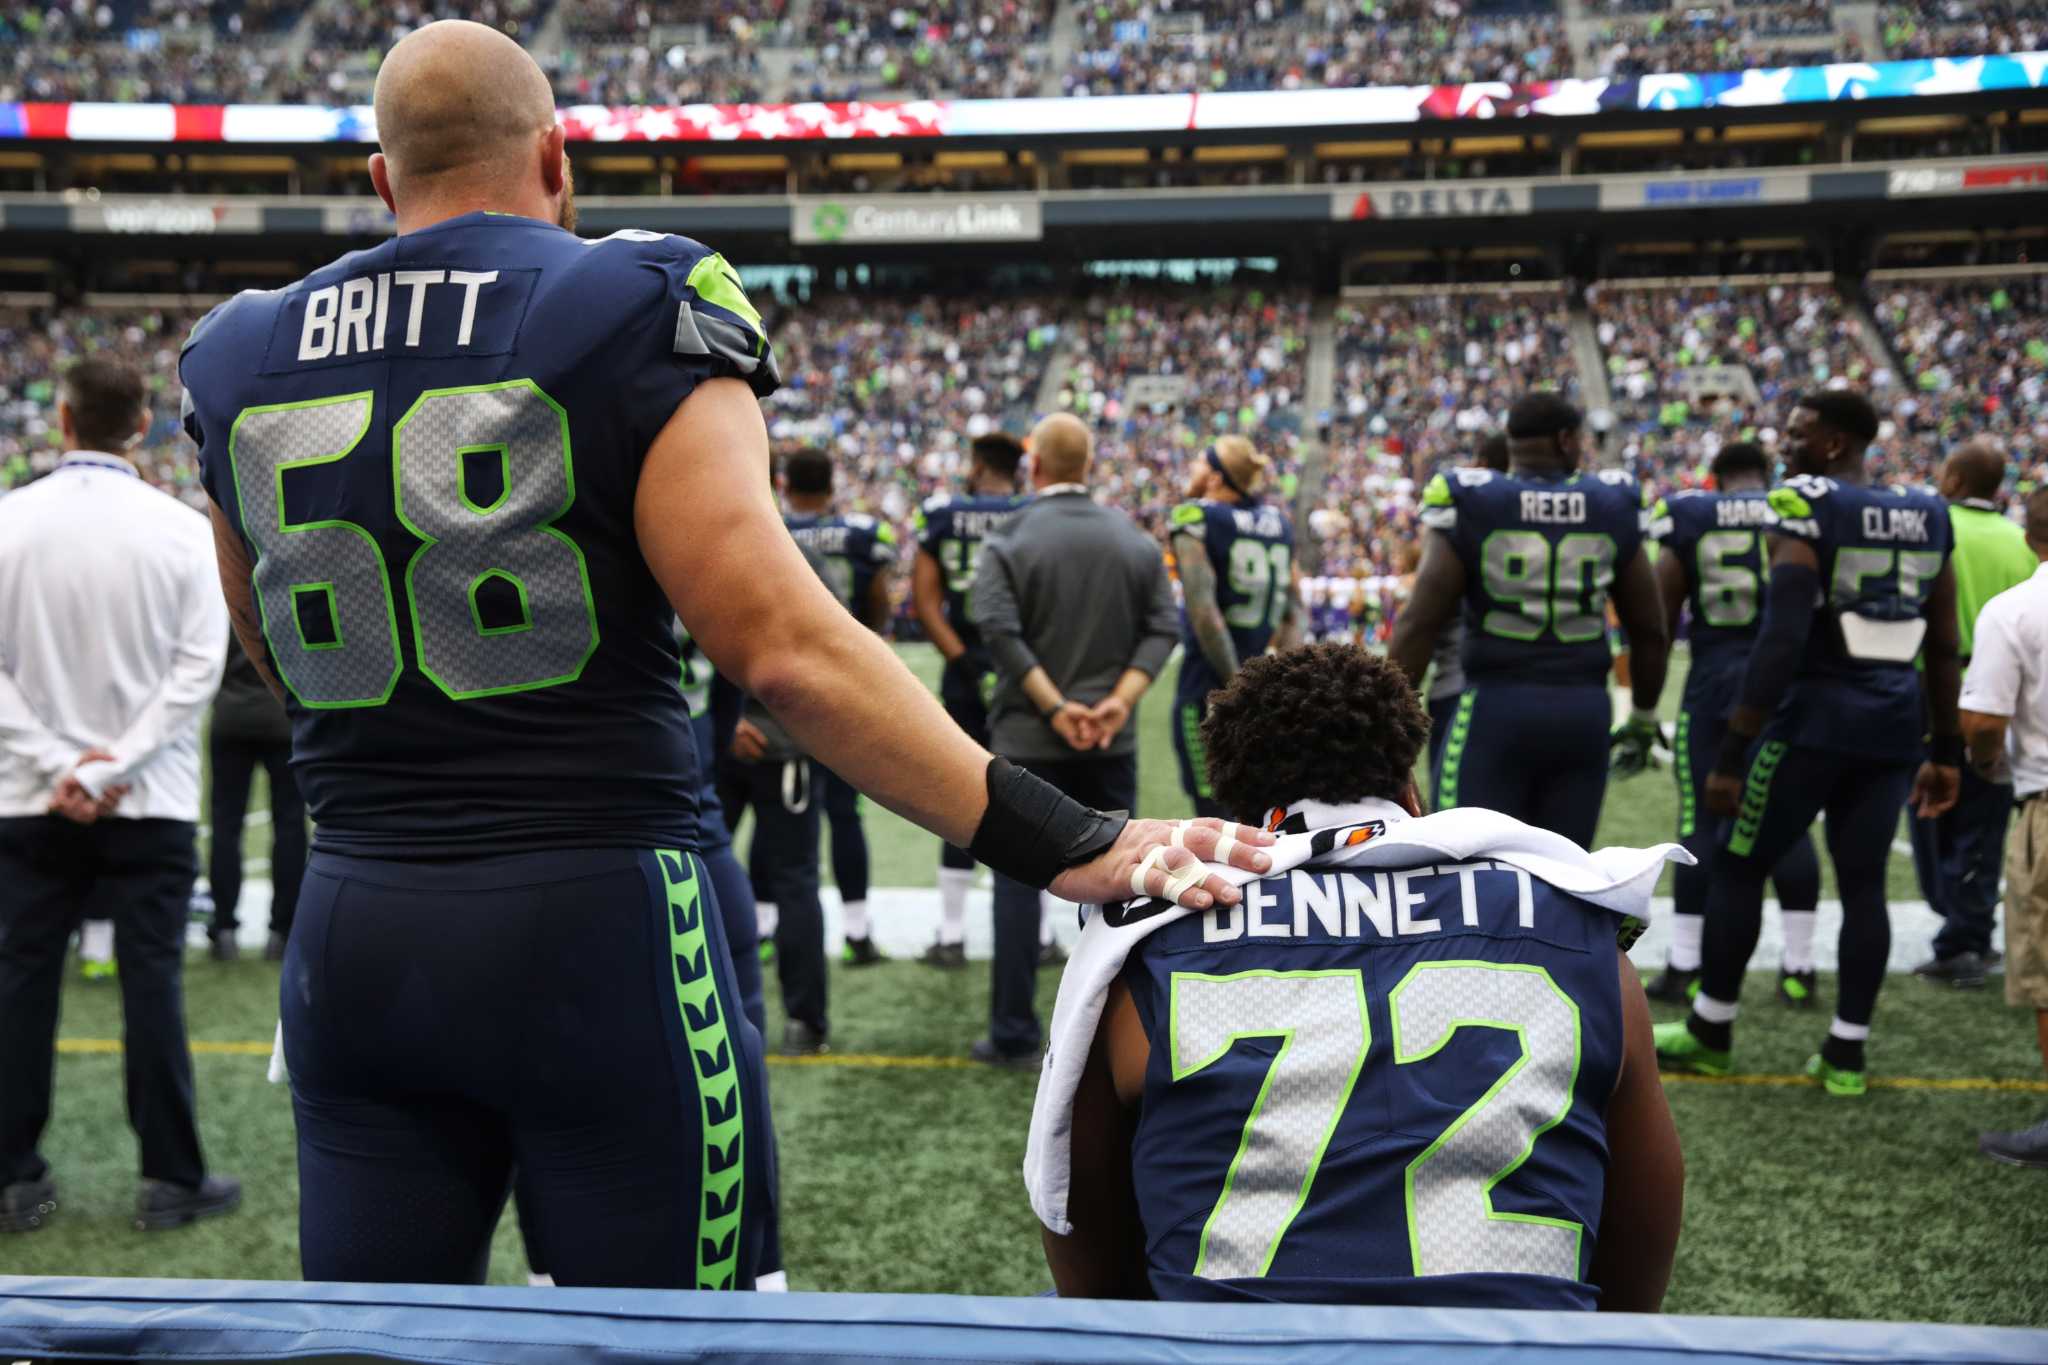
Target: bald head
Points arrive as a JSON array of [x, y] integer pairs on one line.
[[460, 105], [1975, 469], [1061, 450]]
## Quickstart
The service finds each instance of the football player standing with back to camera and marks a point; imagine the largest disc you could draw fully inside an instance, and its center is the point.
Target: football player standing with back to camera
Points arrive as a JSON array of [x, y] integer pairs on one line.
[[1447, 664], [857, 550], [1240, 591], [1713, 564], [459, 482], [950, 532], [1829, 717], [1534, 556]]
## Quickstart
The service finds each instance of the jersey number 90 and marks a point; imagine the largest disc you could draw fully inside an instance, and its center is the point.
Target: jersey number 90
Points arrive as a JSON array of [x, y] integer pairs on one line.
[[1537, 589], [506, 546]]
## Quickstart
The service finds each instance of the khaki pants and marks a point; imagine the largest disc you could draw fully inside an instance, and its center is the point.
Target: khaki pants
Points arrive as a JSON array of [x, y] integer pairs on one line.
[[2026, 906]]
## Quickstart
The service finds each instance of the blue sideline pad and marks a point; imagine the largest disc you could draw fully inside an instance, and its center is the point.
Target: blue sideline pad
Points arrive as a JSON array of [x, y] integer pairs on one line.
[[216, 1320]]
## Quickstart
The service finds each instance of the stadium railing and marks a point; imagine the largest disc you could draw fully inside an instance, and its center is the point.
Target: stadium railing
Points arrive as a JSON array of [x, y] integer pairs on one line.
[[211, 1320]]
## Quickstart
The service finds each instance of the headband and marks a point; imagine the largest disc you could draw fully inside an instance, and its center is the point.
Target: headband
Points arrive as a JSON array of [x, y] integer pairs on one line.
[[1216, 463]]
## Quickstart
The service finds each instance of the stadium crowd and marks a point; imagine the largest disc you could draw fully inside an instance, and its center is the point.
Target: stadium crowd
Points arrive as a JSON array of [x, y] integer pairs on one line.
[[1133, 48], [1786, 337], [1959, 28], [1235, 363], [1975, 358], [1718, 38]]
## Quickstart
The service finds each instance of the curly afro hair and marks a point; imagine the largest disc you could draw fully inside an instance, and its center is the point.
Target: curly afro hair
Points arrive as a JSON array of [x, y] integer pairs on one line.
[[1327, 722]]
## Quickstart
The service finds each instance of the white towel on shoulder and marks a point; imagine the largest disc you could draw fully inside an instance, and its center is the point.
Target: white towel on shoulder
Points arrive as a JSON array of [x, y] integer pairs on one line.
[[1370, 834]]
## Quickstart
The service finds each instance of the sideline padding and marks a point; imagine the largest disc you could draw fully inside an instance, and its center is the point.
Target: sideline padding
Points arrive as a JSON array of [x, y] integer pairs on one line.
[[216, 1320]]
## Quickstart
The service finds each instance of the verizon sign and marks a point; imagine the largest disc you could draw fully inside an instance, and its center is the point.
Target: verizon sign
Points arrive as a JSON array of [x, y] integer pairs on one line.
[[918, 218], [1912, 181], [165, 217]]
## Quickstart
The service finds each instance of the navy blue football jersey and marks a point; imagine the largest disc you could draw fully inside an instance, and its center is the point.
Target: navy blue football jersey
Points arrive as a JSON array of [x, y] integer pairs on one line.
[[952, 531], [431, 449], [1540, 557], [1251, 548], [1718, 538], [1880, 550], [1379, 1087], [855, 547]]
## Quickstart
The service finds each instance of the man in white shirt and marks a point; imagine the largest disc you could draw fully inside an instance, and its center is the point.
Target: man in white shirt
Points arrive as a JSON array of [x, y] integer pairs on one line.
[[2004, 713], [112, 636]]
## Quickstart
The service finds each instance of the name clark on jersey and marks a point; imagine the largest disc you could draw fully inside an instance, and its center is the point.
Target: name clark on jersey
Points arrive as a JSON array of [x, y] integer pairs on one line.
[[1344, 904], [354, 317], [1555, 508], [1895, 523]]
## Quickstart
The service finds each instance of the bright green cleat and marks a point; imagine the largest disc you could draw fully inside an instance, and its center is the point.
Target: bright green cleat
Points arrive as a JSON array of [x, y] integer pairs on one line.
[[1836, 1081], [98, 971], [1678, 1050], [768, 952]]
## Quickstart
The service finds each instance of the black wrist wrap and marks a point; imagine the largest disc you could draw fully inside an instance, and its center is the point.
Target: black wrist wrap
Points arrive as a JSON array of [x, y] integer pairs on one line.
[[1946, 751], [1032, 831], [1733, 758]]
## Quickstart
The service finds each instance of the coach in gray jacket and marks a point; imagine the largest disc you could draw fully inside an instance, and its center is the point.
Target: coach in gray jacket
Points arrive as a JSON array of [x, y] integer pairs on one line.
[[1074, 603]]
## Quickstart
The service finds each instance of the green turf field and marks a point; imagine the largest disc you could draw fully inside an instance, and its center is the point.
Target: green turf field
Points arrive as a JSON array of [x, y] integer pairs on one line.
[[900, 1162]]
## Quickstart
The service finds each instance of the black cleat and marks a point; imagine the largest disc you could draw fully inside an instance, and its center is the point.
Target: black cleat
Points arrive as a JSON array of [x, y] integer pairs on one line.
[[223, 948], [1798, 990], [861, 952], [163, 1205], [951, 956], [1674, 986], [2026, 1147], [988, 1054], [1964, 971], [273, 951], [801, 1040], [28, 1205], [1051, 955]]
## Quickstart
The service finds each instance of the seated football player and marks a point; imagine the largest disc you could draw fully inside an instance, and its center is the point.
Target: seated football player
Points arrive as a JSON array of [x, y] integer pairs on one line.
[[1413, 1066]]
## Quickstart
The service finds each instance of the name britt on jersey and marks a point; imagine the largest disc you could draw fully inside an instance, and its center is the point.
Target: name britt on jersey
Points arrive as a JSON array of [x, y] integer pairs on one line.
[[1346, 904], [354, 317]]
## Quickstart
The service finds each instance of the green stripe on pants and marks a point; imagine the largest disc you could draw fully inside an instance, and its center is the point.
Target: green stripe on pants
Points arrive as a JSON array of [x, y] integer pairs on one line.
[[1681, 763], [717, 1066], [1454, 753], [1756, 794], [1198, 756]]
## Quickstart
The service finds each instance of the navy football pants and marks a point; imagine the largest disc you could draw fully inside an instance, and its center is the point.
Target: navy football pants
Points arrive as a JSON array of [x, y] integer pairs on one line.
[[1958, 859], [1796, 876], [570, 1013], [1786, 788], [1533, 751]]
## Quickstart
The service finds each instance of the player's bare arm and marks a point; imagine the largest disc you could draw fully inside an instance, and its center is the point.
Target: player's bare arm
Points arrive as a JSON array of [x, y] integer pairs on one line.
[[708, 527], [928, 604], [1640, 603], [237, 586], [1439, 586], [1645, 1199], [1789, 605], [1672, 588], [1205, 616], [1104, 1256], [1984, 738], [1289, 631], [1939, 783], [875, 611]]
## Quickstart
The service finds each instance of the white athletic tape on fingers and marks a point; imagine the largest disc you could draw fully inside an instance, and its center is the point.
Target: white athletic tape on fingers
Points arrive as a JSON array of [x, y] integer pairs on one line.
[[1180, 835], [1179, 883], [1151, 860], [1226, 844]]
